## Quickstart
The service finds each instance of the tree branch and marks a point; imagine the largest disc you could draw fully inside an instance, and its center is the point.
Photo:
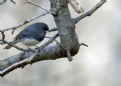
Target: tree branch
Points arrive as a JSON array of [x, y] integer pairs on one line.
[[20, 60], [90, 12]]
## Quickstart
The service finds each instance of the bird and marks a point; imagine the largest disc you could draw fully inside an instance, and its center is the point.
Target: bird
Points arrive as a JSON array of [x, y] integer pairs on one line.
[[31, 35]]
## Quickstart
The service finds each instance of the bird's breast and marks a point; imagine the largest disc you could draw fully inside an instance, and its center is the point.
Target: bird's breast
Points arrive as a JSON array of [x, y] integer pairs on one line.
[[29, 41]]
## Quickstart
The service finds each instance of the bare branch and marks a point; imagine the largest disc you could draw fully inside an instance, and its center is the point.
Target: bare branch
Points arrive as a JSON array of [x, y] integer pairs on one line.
[[90, 12], [20, 60]]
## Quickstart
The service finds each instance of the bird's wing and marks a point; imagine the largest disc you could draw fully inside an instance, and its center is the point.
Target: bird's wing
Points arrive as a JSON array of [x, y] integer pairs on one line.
[[22, 34], [40, 35]]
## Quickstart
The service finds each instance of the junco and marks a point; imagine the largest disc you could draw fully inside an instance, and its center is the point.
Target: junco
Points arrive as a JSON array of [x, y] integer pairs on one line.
[[31, 35]]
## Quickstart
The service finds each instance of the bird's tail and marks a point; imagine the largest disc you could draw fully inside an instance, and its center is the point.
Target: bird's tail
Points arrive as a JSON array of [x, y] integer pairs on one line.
[[9, 46]]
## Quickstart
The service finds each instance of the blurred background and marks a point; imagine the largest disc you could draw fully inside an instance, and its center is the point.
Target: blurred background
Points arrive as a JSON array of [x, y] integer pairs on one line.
[[97, 65]]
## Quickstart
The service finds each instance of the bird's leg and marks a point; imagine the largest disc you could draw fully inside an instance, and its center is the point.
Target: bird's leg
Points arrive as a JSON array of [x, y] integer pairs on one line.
[[38, 48], [31, 58], [29, 49]]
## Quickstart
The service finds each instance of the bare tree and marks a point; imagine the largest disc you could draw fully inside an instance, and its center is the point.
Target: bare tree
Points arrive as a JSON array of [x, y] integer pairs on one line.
[[68, 46]]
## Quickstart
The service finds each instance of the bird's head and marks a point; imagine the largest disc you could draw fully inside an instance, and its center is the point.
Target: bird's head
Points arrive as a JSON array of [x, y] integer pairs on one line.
[[44, 26], [41, 26]]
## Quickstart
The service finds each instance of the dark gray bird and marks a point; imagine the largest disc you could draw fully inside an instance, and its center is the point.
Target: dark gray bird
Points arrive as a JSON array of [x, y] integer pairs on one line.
[[31, 35]]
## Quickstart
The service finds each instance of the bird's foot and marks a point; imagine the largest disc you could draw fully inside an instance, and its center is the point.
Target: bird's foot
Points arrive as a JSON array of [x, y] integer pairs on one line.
[[32, 57], [37, 48]]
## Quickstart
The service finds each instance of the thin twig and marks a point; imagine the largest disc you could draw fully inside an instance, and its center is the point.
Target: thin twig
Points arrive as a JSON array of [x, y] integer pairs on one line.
[[30, 2], [69, 56], [27, 21], [5, 42], [84, 44], [3, 35]]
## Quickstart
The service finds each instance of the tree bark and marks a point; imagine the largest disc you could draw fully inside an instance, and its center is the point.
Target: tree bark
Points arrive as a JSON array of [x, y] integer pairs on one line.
[[65, 25]]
